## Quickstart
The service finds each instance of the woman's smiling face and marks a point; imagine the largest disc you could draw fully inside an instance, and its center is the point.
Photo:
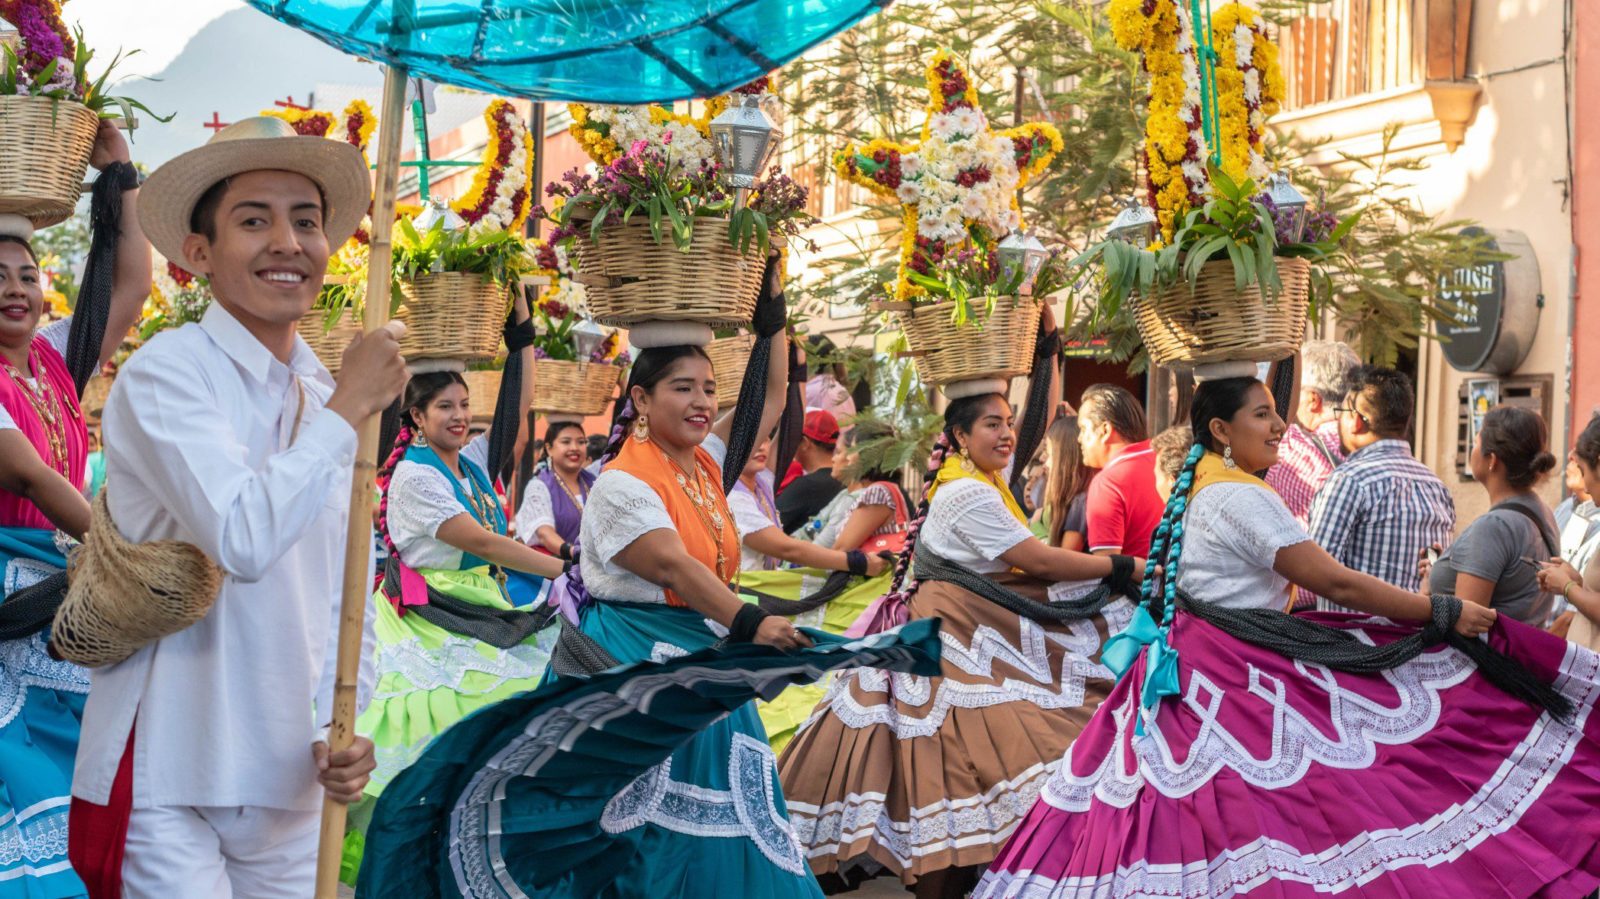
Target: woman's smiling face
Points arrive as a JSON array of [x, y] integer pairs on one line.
[[682, 405], [993, 437]]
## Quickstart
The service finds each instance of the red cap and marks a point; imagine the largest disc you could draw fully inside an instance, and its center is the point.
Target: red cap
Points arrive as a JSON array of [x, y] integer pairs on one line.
[[821, 426]]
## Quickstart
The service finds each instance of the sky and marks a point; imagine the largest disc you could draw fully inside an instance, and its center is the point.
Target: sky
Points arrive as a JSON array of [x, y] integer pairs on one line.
[[108, 24]]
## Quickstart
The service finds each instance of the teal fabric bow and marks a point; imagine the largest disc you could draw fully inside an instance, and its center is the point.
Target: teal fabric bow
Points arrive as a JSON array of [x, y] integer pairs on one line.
[[1161, 665]]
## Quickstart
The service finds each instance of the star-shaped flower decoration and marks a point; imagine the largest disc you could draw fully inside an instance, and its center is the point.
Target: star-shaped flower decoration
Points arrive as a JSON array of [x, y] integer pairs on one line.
[[960, 183]]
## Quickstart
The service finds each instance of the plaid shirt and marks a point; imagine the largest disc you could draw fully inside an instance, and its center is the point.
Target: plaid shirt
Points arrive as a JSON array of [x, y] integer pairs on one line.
[[1378, 509], [1305, 459]]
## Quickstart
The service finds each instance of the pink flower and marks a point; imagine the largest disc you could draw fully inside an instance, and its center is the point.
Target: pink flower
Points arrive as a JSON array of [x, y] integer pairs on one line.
[[666, 137]]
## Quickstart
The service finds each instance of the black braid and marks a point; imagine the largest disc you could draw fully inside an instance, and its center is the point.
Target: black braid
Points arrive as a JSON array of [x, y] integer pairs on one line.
[[747, 413], [1036, 415], [903, 585], [88, 330]]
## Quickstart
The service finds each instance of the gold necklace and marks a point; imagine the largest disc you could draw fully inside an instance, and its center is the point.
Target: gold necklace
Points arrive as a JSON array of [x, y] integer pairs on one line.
[[704, 506], [46, 405], [571, 494]]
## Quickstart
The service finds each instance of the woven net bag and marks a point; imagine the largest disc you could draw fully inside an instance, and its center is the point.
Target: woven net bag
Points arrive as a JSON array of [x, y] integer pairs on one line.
[[44, 153], [123, 596]]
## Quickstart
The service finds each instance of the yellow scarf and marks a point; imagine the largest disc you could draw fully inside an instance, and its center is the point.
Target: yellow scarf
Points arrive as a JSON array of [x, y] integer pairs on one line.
[[1211, 470], [954, 470]]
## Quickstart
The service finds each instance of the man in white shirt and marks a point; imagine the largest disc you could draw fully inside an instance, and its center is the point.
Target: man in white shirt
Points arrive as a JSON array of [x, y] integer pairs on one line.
[[204, 748]]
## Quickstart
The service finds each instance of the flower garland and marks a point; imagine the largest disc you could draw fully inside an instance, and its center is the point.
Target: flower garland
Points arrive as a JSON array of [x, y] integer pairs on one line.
[[359, 124], [306, 122], [1249, 88], [1175, 146], [963, 177], [501, 190], [45, 37]]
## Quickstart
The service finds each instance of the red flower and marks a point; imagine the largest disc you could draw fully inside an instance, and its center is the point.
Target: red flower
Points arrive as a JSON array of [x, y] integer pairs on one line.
[[181, 276]]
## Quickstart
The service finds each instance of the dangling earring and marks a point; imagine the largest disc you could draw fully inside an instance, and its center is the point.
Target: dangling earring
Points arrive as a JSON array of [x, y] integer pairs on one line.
[[641, 428], [1227, 458], [966, 461], [420, 440]]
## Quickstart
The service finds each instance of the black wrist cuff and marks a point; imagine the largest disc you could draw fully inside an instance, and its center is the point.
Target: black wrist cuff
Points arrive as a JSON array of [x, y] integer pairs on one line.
[[565, 551], [1121, 578], [856, 561], [1047, 345], [520, 336], [746, 622]]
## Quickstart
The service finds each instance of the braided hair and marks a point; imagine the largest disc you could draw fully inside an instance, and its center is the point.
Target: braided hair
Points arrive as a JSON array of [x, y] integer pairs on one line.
[[420, 391]]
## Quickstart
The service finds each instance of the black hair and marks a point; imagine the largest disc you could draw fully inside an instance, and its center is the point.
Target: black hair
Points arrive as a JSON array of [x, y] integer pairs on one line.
[[203, 217], [1220, 399], [597, 446], [420, 391], [1520, 439], [1390, 400], [650, 368], [1113, 404], [554, 429], [1588, 444], [22, 242]]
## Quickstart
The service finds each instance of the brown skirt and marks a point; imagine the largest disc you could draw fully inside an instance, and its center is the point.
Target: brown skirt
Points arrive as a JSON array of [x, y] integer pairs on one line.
[[917, 774]]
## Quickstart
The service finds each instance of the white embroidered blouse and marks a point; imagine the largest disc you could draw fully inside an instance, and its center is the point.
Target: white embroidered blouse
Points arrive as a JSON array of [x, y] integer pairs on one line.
[[420, 500], [620, 510], [969, 523], [749, 518], [1231, 537], [537, 511]]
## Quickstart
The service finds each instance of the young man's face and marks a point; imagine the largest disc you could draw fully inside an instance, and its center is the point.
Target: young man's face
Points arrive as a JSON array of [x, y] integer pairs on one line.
[[270, 253]]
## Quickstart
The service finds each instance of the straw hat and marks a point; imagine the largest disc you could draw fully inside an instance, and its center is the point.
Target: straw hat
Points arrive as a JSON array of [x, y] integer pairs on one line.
[[260, 143]]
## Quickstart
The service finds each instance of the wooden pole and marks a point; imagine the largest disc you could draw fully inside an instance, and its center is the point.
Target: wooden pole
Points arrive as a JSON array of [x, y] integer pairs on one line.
[[358, 536]]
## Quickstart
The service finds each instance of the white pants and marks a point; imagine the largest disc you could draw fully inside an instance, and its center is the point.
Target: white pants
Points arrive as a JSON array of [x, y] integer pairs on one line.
[[180, 852]]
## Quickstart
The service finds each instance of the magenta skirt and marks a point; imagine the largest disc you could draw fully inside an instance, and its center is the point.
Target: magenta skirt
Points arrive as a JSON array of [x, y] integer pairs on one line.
[[1277, 778]]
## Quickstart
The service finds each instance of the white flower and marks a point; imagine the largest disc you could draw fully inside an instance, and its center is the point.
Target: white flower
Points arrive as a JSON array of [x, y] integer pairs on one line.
[[907, 192], [910, 165], [1252, 86], [1243, 45]]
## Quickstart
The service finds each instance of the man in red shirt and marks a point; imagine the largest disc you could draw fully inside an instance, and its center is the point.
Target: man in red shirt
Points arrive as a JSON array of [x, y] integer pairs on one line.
[[1123, 507]]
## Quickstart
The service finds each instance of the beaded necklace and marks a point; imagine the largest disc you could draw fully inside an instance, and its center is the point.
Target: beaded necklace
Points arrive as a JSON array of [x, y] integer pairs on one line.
[[700, 495], [46, 404], [577, 500]]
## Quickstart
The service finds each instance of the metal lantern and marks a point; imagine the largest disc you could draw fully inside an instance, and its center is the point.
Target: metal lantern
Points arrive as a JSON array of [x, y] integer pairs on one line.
[[1136, 224], [1020, 249], [1288, 201], [436, 211], [587, 335], [744, 138]]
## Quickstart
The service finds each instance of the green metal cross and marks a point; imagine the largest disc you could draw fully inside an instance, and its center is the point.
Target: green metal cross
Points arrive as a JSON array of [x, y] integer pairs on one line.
[[423, 162]]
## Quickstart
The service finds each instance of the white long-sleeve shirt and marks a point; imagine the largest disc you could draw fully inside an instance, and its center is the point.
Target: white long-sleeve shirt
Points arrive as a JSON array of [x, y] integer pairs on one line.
[[198, 448]]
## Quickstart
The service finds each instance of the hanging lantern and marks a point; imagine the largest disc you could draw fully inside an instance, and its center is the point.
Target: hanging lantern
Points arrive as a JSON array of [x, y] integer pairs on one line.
[[1020, 250], [1136, 224], [744, 138], [587, 335], [436, 212], [1289, 202]]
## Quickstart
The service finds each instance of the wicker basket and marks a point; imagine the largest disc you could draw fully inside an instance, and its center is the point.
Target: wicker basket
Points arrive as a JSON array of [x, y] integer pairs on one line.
[[94, 396], [574, 388], [1000, 346], [630, 278], [483, 392], [453, 316], [1219, 323], [328, 344], [729, 358], [44, 153]]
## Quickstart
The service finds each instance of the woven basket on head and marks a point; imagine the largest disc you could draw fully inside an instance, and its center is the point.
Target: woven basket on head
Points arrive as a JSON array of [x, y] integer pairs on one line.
[[123, 596], [1000, 346], [729, 358], [574, 388], [629, 278], [483, 390], [44, 153], [94, 396], [450, 315], [1217, 322], [329, 344]]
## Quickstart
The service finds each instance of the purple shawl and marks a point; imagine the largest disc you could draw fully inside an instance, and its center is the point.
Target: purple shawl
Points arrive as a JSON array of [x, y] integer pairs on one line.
[[568, 516]]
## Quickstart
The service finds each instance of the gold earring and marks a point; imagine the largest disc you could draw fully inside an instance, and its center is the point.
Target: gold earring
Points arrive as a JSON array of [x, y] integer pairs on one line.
[[420, 439], [966, 461], [1227, 458], [641, 428]]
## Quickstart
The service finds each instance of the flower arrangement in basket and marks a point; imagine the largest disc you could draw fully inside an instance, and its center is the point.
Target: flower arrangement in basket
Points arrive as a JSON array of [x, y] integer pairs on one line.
[[50, 110], [964, 260], [1220, 269], [177, 297], [663, 178], [577, 364]]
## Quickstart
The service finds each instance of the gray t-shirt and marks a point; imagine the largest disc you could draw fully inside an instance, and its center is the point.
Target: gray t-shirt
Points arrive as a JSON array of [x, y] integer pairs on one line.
[[1493, 548]]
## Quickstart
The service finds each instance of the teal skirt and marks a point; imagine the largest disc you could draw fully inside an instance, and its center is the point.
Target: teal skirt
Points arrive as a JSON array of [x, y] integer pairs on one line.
[[653, 779]]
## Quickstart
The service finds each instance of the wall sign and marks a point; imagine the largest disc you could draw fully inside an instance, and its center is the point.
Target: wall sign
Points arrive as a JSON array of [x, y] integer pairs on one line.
[[1499, 307]]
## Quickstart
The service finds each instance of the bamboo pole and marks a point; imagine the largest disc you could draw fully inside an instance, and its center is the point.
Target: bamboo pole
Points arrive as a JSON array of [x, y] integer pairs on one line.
[[358, 536]]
